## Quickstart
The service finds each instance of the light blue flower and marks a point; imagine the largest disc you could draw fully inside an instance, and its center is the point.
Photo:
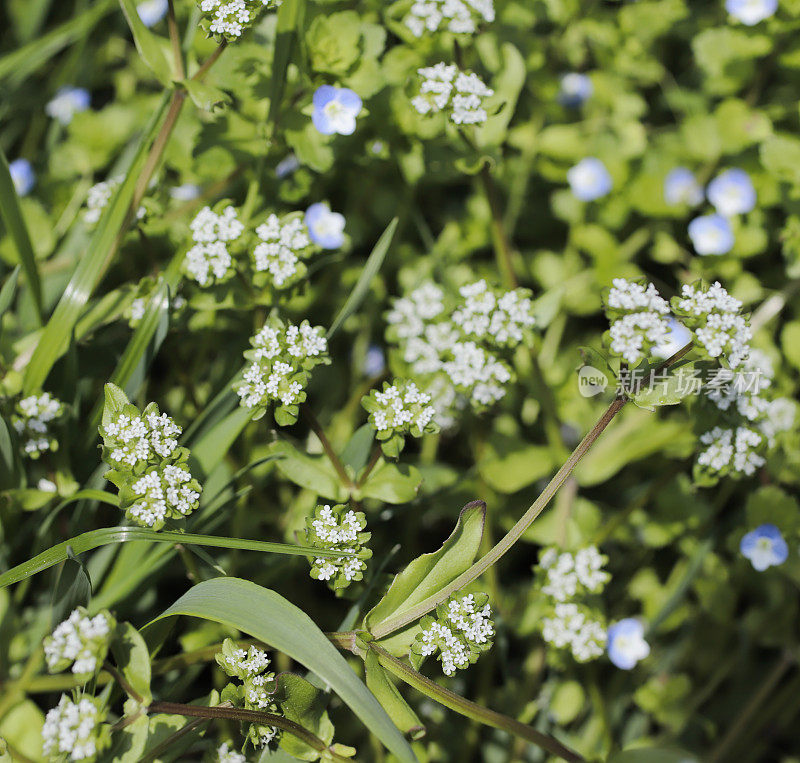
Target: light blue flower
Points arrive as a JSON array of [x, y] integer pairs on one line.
[[681, 187], [152, 11], [67, 102], [374, 361], [576, 89], [678, 337], [184, 192], [286, 166], [711, 234], [325, 228], [751, 12], [22, 176], [589, 179], [335, 110], [732, 193], [626, 644], [764, 547]]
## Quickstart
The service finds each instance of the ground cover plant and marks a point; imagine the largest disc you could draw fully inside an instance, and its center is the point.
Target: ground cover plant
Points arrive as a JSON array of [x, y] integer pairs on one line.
[[404, 380]]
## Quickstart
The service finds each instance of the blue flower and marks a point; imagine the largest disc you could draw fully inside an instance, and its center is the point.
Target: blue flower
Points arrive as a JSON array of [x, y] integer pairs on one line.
[[184, 192], [575, 90], [67, 102], [286, 166], [325, 228], [589, 179], [626, 644], [335, 110], [732, 193], [751, 12], [22, 176], [151, 11], [681, 187], [374, 361], [711, 234], [764, 547]]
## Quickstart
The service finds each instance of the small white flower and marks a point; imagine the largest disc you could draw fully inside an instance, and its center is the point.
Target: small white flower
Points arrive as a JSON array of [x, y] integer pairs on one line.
[[80, 641], [444, 87], [67, 102], [732, 449], [72, 729], [457, 16]]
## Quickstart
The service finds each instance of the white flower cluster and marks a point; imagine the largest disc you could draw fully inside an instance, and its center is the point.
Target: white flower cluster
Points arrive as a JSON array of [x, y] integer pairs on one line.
[[80, 641], [133, 439], [457, 16], [731, 451], [572, 627], [449, 344], [230, 18], [75, 730], [638, 319], [444, 87], [338, 528], [283, 243], [282, 356], [257, 689], [713, 314], [162, 493], [566, 579], [401, 408], [568, 574], [226, 754], [462, 630], [209, 259], [31, 422], [148, 467]]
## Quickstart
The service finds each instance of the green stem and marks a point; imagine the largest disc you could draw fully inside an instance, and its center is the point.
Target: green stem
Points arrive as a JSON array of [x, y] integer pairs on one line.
[[470, 709], [120, 679], [405, 617], [162, 747], [376, 456], [175, 40], [245, 716], [336, 462], [502, 245]]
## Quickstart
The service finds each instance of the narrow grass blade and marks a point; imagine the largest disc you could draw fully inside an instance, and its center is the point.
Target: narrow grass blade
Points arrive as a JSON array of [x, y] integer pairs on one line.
[[55, 339], [15, 224], [96, 538], [370, 270], [267, 616], [9, 290], [290, 19]]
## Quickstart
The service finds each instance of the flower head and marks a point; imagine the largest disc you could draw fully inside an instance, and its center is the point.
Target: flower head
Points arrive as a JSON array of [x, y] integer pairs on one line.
[[283, 244], [567, 574], [79, 641], [132, 440], [711, 234], [226, 754], [638, 316], [460, 94], [681, 187], [575, 90], [75, 730], [461, 631], [626, 644], [732, 193], [335, 110], [573, 627], [230, 18], [751, 12], [400, 409], [167, 491], [152, 11], [325, 228], [209, 260], [184, 192], [22, 176], [32, 419], [67, 102], [457, 16], [764, 547], [731, 451], [589, 179], [338, 528]]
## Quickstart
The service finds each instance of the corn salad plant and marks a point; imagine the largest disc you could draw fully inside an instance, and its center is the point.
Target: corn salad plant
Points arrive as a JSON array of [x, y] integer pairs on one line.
[[399, 381]]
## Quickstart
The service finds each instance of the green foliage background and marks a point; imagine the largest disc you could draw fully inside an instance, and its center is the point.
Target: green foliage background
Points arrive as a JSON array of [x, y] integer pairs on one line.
[[675, 83]]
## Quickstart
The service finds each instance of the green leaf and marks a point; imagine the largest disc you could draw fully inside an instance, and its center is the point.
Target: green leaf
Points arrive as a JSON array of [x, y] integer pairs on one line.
[[133, 659], [147, 43], [389, 696], [74, 588], [268, 617], [15, 225], [9, 290], [510, 463], [668, 388], [371, 268], [205, 97], [289, 24], [211, 448], [780, 156], [311, 472], [393, 483], [114, 401], [429, 573], [130, 741], [356, 452], [303, 703], [56, 338], [95, 538]]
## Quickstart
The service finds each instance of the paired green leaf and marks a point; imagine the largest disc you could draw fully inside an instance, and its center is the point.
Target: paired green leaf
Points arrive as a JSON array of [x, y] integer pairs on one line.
[[428, 574], [267, 616], [311, 472]]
